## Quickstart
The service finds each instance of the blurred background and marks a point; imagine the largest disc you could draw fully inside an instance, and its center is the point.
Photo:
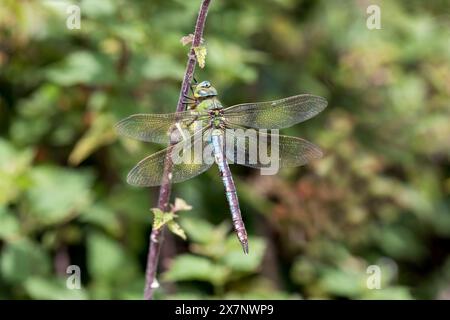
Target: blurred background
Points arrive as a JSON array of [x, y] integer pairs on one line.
[[379, 197]]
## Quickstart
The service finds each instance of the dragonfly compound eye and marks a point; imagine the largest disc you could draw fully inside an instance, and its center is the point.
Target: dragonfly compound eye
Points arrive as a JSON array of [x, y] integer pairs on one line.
[[205, 84]]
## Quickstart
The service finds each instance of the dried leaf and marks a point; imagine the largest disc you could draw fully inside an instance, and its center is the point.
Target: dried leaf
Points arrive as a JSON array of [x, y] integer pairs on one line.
[[200, 53], [187, 39], [181, 205]]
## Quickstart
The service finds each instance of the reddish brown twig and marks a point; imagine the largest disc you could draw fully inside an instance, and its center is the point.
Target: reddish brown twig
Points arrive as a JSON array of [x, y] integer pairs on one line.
[[164, 191]]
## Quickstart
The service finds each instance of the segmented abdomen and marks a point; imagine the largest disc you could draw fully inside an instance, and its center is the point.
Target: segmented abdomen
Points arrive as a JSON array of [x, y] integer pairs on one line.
[[230, 189]]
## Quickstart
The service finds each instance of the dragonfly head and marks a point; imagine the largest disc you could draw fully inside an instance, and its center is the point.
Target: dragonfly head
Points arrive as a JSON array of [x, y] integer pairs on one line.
[[204, 90]]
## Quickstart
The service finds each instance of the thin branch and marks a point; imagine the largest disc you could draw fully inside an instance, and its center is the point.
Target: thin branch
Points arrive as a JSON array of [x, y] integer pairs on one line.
[[166, 186]]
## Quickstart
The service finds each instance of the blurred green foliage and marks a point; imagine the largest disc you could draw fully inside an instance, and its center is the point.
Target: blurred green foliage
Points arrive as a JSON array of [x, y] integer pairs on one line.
[[381, 194]]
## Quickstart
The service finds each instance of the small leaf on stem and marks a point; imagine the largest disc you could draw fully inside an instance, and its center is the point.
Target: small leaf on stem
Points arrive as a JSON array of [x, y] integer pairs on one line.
[[168, 218], [176, 229], [181, 205], [161, 218], [187, 39]]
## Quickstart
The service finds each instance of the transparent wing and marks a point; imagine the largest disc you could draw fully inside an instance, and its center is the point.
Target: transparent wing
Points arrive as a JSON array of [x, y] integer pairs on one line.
[[157, 127], [258, 149], [185, 165], [276, 114]]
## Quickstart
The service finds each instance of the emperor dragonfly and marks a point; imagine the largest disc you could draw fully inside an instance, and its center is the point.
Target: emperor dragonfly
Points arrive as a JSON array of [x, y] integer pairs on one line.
[[214, 120]]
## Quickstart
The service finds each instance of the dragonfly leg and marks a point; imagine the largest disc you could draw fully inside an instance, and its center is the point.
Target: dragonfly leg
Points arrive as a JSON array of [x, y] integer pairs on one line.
[[191, 86], [188, 102], [187, 97]]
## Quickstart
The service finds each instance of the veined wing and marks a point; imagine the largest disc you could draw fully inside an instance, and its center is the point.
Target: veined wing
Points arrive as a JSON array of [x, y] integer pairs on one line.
[[158, 127], [262, 150], [276, 114], [150, 171]]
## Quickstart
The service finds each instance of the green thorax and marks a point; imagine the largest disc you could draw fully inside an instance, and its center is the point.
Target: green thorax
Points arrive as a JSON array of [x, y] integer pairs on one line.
[[206, 96], [208, 104], [213, 106]]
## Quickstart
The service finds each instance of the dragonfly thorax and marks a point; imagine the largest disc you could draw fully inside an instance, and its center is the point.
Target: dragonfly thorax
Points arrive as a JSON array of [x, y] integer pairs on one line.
[[217, 119], [208, 104]]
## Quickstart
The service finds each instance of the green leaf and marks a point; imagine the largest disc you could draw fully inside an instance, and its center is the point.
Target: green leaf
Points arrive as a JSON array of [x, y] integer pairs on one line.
[[98, 8], [343, 283], [186, 296], [257, 287], [53, 289], [83, 67], [198, 230], [391, 293], [9, 225], [43, 102], [176, 229], [107, 259], [304, 270], [133, 289], [190, 267], [23, 259], [13, 166], [132, 203], [237, 260], [400, 242], [103, 216], [160, 67], [58, 194], [161, 218]]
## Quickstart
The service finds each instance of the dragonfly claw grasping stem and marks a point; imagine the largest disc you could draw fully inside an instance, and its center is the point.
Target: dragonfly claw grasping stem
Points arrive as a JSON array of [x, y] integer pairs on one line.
[[189, 98]]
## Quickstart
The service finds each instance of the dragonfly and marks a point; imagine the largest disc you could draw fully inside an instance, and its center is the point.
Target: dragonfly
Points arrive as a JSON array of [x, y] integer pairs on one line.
[[206, 122]]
